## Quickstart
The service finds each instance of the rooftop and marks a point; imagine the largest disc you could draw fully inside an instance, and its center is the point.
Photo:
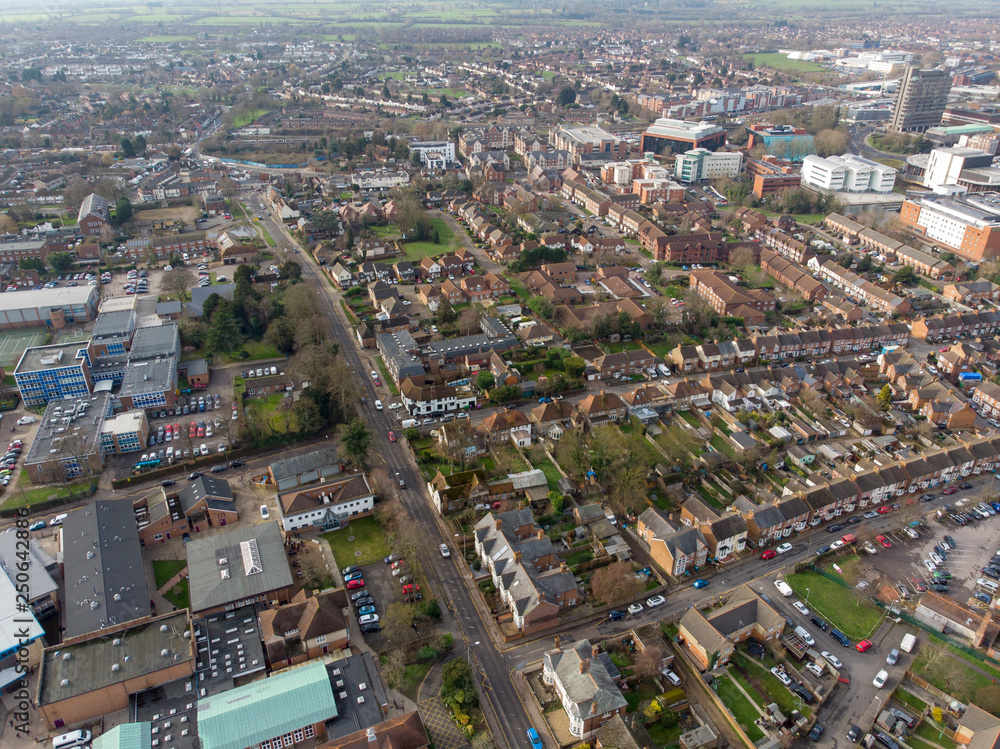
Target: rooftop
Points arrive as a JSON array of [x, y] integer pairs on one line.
[[228, 647], [61, 296], [156, 341], [114, 324], [38, 358], [69, 427], [665, 127], [154, 375], [129, 422]]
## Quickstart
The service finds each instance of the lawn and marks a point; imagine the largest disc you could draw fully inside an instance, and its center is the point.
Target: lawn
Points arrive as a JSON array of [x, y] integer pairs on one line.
[[646, 690], [947, 673], [932, 733], [412, 676], [267, 237], [385, 376], [664, 736], [417, 251], [776, 691], [744, 712], [579, 557], [853, 615], [779, 61], [368, 544], [908, 699], [552, 474], [26, 497], [274, 412], [164, 569], [257, 351], [690, 418], [178, 595], [719, 443]]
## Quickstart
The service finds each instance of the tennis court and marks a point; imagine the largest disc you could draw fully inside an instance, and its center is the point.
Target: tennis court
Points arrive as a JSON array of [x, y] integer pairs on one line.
[[14, 342]]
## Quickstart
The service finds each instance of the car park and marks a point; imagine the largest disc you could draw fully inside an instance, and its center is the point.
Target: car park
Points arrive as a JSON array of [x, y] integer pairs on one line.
[[884, 541]]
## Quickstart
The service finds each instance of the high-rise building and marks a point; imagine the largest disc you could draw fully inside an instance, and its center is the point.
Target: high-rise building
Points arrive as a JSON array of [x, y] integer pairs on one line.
[[921, 99]]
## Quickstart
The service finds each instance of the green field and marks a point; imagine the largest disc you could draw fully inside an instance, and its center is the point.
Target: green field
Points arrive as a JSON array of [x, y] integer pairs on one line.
[[164, 569], [246, 118], [417, 251], [854, 615], [778, 61], [165, 39], [451, 93], [179, 595], [368, 544]]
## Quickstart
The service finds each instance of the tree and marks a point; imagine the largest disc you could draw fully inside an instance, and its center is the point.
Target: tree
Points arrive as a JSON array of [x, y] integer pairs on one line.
[[904, 275], [446, 313], [485, 380], [223, 333], [127, 150], [646, 663], [394, 667], [357, 439], [742, 261], [574, 367], [505, 394], [566, 96], [123, 212], [468, 321], [31, 263], [884, 398], [615, 582], [396, 622], [281, 334], [7, 224], [458, 687], [60, 261], [290, 270], [177, 283], [543, 307]]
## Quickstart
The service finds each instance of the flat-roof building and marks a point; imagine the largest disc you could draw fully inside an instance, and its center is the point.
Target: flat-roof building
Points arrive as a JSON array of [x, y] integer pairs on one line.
[[677, 136], [968, 226], [49, 308], [700, 164], [52, 372], [125, 433], [67, 444], [847, 173], [150, 384], [586, 140]]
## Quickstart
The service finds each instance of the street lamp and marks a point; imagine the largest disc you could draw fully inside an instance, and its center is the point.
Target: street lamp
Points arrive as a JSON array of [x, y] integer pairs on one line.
[[463, 544], [807, 595]]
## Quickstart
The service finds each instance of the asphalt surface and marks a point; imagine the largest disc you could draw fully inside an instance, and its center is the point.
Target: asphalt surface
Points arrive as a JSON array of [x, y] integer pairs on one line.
[[502, 705]]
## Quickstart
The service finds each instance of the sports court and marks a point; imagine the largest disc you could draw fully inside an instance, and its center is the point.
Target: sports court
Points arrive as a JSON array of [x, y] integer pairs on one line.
[[14, 342]]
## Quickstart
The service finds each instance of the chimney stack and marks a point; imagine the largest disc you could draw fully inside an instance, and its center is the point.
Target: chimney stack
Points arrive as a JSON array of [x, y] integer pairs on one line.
[[541, 534], [595, 650], [517, 556], [584, 665], [498, 524], [563, 567], [558, 639]]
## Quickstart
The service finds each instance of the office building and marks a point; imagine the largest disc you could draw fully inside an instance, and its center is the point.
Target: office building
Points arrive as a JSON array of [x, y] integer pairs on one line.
[[588, 140], [677, 136], [701, 164], [52, 372], [434, 151], [847, 174], [968, 168], [67, 444], [783, 141], [921, 99], [125, 433], [968, 226], [49, 308]]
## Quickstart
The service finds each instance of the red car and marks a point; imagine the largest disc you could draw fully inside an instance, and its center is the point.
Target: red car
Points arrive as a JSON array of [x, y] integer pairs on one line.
[[950, 490], [863, 646], [884, 541], [193, 430], [392, 436], [411, 588], [883, 510], [769, 554], [355, 584], [943, 350]]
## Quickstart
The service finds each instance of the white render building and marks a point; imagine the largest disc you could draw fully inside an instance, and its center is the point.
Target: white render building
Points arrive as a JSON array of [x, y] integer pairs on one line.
[[701, 164], [847, 174]]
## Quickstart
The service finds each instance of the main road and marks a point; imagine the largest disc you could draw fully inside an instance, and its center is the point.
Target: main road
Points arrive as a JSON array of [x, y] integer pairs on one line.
[[506, 714]]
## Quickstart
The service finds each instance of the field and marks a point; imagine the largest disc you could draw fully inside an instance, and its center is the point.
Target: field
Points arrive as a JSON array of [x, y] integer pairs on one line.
[[186, 213], [244, 119], [417, 251], [778, 61], [14, 342], [853, 615], [362, 542]]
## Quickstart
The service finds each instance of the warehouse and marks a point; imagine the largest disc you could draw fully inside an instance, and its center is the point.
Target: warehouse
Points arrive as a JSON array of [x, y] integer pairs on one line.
[[53, 308]]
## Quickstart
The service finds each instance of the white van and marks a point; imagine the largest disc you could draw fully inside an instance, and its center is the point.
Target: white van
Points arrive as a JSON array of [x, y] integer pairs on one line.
[[409, 423], [804, 634], [71, 739], [274, 370], [987, 584], [58, 520], [783, 588]]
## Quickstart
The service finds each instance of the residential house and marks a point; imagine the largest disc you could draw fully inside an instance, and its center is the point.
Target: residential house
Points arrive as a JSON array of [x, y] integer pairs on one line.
[[676, 550], [602, 408], [586, 682], [309, 626], [711, 638]]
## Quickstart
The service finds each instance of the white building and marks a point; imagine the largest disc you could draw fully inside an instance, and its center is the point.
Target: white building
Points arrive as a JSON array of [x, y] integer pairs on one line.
[[701, 164], [945, 167], [434, 150], [317, 505], [381, 180], [847, 174]]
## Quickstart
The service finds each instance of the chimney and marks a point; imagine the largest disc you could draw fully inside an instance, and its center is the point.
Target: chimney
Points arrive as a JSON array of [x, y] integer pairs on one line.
[[584, 665], [541, 534], [498, 524], [563, 567], [517, 556], [595, 650], [558, 639]]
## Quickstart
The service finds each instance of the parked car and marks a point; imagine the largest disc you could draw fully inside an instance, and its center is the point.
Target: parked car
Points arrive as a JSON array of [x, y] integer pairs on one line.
[[784, 548], [655, 601], [880, 679], [863, 646]]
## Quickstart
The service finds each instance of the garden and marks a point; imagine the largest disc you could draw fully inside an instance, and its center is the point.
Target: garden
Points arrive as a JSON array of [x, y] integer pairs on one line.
[[845, 608], [361, 542]]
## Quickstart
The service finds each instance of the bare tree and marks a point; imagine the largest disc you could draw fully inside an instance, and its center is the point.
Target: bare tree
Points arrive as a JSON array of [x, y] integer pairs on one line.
[[468, 321], [646, 663], [615, 582], [177, 283]]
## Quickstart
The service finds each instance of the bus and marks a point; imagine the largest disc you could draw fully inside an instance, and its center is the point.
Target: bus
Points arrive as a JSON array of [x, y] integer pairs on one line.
[[147, 464]]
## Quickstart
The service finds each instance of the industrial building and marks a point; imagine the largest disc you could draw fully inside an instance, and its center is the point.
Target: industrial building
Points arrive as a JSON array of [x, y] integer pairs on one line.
[[921, 99], [49, 308], [677, 136]]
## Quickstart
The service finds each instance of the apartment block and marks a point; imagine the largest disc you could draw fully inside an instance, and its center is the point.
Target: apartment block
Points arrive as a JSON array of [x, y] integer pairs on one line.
[[969, 226]]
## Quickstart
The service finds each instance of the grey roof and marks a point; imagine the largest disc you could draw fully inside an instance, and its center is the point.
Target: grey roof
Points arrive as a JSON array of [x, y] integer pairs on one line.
[[685, 542], [196, 367], [114, 324], [105, 581], [168, 308], [304, 463], [590, 693], [397, 348], [728, 526], [153, 375], [494, 327], [243, 575], [69, 427], [200, 293], [453, 348], [658, 522], [768, 516], [156, 341], [94, 205], [36, 564], [61, 296], [207, 487], [56, 356]]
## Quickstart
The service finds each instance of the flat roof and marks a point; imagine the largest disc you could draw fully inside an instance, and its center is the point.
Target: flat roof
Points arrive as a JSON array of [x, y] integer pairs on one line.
[[15, 623], [237, 565], [358, 692], [126, 736], [128, 422], [228, 647], [69, 426], [119, 657], [114, 323], [116, 303], [588, 134], [38, 563], [61, 296], [150, 375], [156, 340], [665, 127], [37, 358], [104, 579]]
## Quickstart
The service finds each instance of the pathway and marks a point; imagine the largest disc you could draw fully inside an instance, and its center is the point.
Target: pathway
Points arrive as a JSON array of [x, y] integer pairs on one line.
[[442, 729]]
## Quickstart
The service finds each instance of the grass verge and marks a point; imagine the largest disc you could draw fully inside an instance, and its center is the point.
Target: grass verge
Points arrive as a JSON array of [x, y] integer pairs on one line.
[[368, 544], [164, 569], [852, 614]]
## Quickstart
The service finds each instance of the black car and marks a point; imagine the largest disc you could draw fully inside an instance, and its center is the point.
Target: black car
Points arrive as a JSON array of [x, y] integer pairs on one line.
[[938, 587], [950, 541], [350, 569], [982, 597], [364, 601], [818, 622], [965, 486], [369, 628], [941, 552], [616, 615], [803, 693], [359, 594], [836, 527], [219, 468], [822, 550], [992, 572], [194, 474], [236, 463], [926, 497], [853, 520], [167, 482], [816, 732], [854, 734], [885, 739]]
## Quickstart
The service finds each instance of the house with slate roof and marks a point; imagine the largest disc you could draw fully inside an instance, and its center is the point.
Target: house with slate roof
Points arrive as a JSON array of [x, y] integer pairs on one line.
[[523, 563], [676, 549], [587, 684], [712, 639]]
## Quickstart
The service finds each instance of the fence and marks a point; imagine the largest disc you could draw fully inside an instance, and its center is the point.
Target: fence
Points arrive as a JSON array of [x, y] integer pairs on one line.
[[947, 639]]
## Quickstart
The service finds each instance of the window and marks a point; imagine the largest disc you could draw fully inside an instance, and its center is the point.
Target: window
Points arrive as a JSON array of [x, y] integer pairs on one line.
[[309, 732], [288, 739], [320, 639], [298, 734]]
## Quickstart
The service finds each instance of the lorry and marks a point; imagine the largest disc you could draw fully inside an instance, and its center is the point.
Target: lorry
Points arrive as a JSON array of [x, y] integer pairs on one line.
[[908, 642]]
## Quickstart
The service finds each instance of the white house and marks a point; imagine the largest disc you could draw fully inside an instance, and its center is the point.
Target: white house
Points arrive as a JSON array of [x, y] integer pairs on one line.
[[326, 504], [425, 400]]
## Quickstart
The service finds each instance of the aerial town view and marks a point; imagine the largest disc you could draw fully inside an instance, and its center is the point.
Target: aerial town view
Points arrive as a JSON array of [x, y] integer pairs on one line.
[[497, 374]]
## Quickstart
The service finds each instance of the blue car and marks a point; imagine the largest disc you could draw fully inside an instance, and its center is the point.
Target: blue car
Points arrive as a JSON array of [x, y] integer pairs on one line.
[[700, 583], [352, 576], [533, 737], [366, 610]]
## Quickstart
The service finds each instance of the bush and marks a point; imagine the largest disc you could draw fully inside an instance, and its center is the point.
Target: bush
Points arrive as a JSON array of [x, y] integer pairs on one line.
[[426, 653], [431, 609]]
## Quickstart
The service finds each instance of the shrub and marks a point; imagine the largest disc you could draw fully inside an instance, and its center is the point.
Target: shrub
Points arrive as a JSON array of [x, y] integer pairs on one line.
[[431, 609], [426, 653]]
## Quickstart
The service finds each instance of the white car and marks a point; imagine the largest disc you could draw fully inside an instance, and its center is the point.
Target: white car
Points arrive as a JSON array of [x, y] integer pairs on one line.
[[374, 374], [264, 513], [837, 544], [203, 449], [781, 676], [938, 561], [368, 619], [832, 659], [929, 565], [655, 601], [880, 678], [25, 420], [784, 548], [801, 607], [445, 551], [168, 268], [815, 668], [378, 405], [394, 406], [911, 533], [635, 608]]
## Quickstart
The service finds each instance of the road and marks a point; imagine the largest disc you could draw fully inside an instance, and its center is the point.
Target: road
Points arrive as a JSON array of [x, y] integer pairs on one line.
[[504, 710]]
